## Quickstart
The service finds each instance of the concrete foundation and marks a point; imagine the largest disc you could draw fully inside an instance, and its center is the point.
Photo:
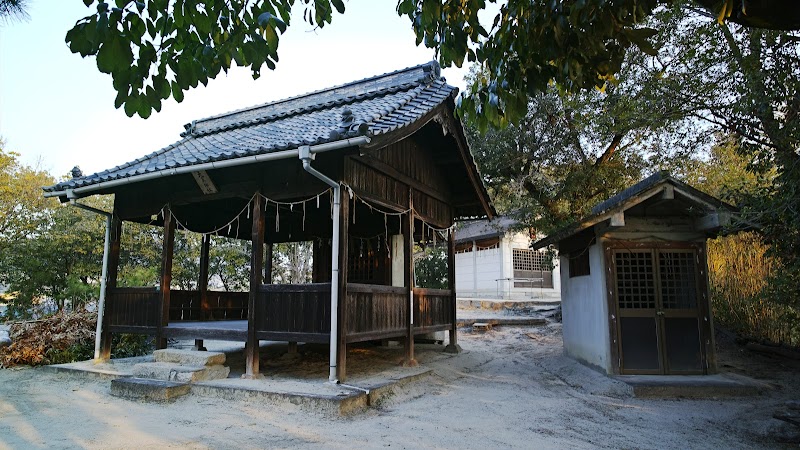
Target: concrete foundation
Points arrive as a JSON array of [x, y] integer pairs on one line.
[[146, 389]]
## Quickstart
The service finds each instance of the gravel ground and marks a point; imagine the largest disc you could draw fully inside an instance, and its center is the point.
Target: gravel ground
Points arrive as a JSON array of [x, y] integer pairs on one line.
[[511, 388]]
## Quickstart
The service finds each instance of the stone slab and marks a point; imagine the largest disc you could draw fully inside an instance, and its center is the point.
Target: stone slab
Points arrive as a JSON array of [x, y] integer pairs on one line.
[[180, 373], [325, 399], [693, 386], [189, 357], [150, 390], [511, 320]]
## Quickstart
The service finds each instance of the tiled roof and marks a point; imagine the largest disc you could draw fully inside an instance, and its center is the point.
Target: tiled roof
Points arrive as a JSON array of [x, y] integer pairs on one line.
[[481, 229], [629, 198], [372, 106]]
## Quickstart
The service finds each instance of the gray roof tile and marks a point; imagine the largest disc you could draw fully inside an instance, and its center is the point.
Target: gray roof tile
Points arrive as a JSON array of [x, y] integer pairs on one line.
[[380, 104]]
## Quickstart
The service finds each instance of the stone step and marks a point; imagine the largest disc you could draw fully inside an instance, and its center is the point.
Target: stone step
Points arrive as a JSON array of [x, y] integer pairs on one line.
[[189, 357], [180, 373], [152, 390]]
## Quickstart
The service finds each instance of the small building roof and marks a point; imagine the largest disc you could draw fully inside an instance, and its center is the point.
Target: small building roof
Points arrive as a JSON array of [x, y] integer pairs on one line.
[[691, 201], [393, 103], [483, 229]]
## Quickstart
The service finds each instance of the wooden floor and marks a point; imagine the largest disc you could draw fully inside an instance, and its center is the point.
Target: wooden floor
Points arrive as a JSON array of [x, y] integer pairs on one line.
[[221, 330]]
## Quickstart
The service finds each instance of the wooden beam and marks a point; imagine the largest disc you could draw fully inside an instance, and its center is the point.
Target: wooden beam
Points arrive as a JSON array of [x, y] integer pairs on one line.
[[714, 221], [341, 342], [167, 252], [668, 193], [202, 281], [111, 283], [204, 182], [452, 346], [617, 219], [256, 267], [202, 285]]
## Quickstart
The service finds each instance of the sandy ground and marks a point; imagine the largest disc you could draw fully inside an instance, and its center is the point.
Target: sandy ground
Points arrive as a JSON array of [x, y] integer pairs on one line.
[[511, 388]]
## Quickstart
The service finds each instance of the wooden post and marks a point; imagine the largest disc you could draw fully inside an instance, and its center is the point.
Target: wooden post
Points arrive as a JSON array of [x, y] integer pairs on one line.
[[166, 276], [341, 351], [256, 267], [452, 346], [111, 284], [202, 286], [408, 254]]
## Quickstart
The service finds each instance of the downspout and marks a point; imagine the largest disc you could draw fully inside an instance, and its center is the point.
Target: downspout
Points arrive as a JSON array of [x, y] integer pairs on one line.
[[101, 303], [306, 155]]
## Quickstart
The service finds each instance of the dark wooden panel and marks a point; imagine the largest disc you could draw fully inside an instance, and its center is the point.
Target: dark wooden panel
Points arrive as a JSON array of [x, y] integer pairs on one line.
[[222, 305], [408, 158], [293, 308], [378, 310], [317, 338], [432, 307], [206, 333], [431, 210], [138, 307], [372, 183]]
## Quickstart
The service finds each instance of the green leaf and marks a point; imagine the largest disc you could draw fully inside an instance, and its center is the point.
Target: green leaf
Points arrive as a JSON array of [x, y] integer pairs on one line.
[[177, 92], [114, 55], [271, 37]]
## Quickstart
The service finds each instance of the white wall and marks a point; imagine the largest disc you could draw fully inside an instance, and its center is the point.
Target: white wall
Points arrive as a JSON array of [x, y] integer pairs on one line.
[[483, 267], [585, 313], [477, 273]]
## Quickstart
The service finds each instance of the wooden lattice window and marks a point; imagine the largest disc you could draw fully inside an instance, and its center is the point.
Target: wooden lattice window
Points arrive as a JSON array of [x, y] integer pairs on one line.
[[678, 282], [531, 269], [636, 287], [527, 259]]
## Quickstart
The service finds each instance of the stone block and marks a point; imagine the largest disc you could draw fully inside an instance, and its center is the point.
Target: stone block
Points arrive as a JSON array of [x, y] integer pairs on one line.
[[189, 357], [150, 390], [180, 373]]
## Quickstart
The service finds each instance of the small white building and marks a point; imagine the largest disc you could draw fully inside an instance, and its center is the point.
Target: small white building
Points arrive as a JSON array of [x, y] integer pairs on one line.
[[494, 261], [634, 285]]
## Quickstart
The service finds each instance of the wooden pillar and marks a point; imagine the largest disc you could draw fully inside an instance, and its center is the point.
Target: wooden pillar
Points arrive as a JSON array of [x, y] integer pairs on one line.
[[452, 346], [202, 286], [408, 255], [341, 351], [256, 268], [111, 284], [167, 251]]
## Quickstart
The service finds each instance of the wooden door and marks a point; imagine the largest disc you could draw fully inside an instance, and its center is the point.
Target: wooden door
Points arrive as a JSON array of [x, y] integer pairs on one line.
[[657, 300]]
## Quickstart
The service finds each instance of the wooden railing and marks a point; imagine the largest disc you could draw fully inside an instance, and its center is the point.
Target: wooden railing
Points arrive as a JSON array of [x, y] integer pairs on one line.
[[131, 309], [375, 312], [294, 312], [222, 305], [433, 309]]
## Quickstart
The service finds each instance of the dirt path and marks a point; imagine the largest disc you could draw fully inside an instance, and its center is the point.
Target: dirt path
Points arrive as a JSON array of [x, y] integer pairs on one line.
[[511, 388]]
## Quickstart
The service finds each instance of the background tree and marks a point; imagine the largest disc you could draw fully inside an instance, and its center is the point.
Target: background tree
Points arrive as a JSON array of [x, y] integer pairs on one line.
[[13, 10], [578, 45], [157, 49], [292, 262]]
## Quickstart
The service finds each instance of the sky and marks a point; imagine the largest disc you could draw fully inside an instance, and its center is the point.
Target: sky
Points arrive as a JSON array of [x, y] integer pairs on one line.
[[57, 110]]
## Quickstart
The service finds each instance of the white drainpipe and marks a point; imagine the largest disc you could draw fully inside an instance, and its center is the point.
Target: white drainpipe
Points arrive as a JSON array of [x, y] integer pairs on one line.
[[101, 303], [306, 155]]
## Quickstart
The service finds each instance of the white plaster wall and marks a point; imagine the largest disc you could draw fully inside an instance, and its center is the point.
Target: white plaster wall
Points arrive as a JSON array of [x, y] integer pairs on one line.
[[497, 264], [585, 313], [487, 268]]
